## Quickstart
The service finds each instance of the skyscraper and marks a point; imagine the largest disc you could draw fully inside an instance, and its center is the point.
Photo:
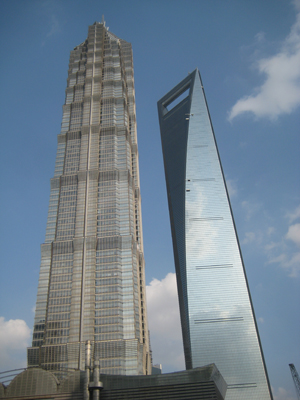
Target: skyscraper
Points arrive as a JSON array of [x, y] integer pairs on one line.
[[92, 283], [218, 322]]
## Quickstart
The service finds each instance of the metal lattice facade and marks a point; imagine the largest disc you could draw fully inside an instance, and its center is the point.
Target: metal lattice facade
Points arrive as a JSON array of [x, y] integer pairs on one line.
[[217, 316], [92, 284]]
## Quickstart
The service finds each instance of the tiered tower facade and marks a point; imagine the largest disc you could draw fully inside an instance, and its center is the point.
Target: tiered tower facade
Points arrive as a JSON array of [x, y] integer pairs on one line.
[[92, 282]]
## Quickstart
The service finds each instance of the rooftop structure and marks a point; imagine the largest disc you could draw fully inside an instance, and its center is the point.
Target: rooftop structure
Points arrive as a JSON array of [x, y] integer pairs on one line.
[[36, 383]]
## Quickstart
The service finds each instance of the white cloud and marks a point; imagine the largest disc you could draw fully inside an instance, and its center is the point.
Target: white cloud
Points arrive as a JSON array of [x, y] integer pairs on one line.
[[54, 26], [164, 323], [294, 215], [281, 248], [294, 234], [255, 238], [280, 92], [14, 339], [250, 209], [282, 394], [50, 12], [249, 237], [261, 320], [287, 258], [270, 246], [260, 36], [231, 187], [290, 262], [278, 244]]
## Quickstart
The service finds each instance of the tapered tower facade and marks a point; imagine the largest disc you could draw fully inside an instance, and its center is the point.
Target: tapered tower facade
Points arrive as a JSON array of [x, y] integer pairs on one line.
[[92, 282], [217, 316]]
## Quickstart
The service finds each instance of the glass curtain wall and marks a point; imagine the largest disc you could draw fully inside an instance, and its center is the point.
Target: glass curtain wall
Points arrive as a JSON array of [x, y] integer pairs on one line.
[[217, 316], [92, 282]]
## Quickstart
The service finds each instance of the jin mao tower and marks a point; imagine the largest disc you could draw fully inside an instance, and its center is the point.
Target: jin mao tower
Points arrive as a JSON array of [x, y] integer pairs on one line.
[[217, 317], [92, 284]]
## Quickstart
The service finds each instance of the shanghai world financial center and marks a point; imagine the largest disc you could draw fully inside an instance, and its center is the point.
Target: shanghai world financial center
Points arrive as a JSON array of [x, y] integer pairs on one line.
[[92, 279], [218, 323]]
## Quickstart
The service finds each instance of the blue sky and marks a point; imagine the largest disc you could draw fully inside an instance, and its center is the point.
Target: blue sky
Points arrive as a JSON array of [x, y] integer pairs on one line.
[[248, 53]]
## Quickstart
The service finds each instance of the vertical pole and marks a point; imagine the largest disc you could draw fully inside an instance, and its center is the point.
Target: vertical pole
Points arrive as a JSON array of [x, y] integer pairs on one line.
[[96, 391], [86, 394]]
